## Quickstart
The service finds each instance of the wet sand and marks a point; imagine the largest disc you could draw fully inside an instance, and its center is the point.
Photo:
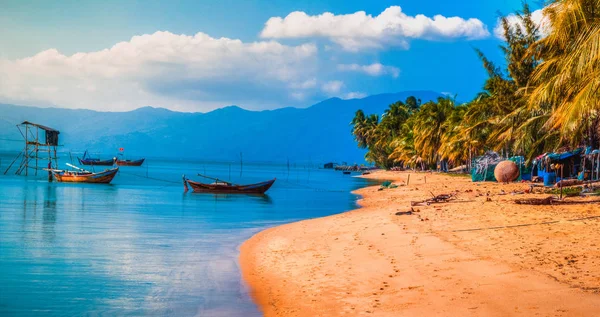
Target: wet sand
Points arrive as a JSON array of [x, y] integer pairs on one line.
[[480, 254]]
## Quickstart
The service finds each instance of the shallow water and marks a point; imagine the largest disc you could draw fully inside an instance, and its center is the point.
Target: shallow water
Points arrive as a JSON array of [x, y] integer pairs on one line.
[[141, 246]]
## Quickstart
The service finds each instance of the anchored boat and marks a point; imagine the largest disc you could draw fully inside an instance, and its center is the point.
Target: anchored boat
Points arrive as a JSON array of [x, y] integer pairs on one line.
[[223, 187], [86, 160], [82, 176], [130, 162]]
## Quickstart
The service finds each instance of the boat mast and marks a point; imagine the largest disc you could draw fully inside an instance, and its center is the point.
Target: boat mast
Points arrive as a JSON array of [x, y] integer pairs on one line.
[[216, 179]]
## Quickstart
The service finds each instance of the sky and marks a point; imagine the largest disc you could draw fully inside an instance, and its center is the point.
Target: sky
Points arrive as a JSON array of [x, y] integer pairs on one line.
[[201, 55]]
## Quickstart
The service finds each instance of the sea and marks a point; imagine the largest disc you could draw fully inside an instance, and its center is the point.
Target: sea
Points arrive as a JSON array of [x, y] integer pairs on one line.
[[141, 246]]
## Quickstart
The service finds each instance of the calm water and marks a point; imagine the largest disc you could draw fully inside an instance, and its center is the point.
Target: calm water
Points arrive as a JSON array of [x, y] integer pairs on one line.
[[140, 246]]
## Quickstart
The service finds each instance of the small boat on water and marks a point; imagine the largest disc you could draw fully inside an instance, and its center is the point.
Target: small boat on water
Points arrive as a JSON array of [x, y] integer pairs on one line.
[[86, 160], [222, 187], [82, 176], [129, 162]]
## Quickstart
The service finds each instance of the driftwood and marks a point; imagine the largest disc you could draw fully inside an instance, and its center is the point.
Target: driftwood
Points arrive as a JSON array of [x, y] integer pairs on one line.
[[585, 184], [568, 182], [458, 169], [552, 201], [444, 198], [536, 201]]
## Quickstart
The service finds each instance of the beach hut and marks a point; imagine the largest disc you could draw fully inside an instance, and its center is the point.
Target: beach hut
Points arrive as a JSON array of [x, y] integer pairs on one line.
[[571, 162], [592, 160]]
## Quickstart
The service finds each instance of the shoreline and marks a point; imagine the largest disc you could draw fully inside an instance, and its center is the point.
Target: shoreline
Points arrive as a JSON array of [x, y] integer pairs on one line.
[[478, 255]]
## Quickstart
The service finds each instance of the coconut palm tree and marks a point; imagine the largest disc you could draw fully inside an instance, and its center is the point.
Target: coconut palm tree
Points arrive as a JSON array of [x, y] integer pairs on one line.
[[547, 97], [454, 144], [359, 123], [404, 152], [568, 79], [429, 128]]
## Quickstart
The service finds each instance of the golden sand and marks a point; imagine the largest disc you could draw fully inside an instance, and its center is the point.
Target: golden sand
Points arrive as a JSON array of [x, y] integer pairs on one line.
[[479, 255]]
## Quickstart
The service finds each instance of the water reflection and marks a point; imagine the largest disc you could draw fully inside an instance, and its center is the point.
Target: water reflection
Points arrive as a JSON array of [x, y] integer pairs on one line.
[[259, 198], [140, 249], [49, 213], [263, 199]]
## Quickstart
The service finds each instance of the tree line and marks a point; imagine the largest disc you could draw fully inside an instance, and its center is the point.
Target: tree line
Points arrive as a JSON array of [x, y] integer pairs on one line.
[[545, 99]]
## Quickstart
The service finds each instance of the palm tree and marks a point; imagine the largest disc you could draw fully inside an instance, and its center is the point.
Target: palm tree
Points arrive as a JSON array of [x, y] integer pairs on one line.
[[454, 144], [568, 79], [359, 128], [546, 98], [403, 146], [430, 128]]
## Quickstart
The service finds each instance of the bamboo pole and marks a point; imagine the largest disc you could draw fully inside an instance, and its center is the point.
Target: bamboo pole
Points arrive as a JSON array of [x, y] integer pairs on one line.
[[583, 166], [597, 166], [26, 151], [13, 162], [215, 179], [561, 181], [37, 142]]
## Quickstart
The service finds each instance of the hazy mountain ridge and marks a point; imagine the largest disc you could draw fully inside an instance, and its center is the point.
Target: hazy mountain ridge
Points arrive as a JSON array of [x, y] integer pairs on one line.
[[315, 134]]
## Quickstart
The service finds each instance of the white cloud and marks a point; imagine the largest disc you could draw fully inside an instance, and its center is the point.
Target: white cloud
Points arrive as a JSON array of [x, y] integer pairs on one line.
[[332, 87], [191, 73], [298, 95], [375, 69], [537, 16], [309, 83], [355, 95], [359, 30]]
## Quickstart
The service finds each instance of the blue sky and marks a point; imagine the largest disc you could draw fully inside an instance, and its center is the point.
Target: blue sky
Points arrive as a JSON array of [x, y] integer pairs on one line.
[[63, 53]]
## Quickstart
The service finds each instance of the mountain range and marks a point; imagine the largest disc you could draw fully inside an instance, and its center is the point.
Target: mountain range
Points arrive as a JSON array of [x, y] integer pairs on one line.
[[319, 133]]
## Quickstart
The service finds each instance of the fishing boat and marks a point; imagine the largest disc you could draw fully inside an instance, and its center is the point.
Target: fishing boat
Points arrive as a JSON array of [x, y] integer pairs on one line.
[[80, 175], [129, 162], [86, 160], [223, 187]]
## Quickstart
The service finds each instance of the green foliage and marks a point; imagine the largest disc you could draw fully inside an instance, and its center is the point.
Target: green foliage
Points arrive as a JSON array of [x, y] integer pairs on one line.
[[545, 99], [404, 128], [567, 192]]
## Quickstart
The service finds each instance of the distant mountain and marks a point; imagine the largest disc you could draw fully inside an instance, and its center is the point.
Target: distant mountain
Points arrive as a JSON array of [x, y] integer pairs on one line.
[[320, 133]]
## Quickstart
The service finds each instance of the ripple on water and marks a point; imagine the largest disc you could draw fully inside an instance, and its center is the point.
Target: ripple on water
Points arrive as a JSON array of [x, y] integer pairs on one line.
[[142, 247]]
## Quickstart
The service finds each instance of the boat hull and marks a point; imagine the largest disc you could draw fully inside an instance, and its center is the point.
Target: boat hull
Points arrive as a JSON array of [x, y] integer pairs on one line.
[[96, 162], [104, 177], [130, 163], [258, 188]]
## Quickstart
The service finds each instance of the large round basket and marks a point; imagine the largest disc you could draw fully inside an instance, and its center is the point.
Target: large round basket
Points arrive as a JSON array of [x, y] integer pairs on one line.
[[506, 172]]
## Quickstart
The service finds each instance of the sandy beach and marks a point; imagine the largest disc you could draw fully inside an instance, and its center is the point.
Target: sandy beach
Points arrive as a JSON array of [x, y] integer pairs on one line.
[[480, 254]]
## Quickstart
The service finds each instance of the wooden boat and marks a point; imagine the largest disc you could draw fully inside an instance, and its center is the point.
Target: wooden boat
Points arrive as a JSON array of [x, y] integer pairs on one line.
[[83, 176], [130, 162], [86, 160], [222, 187]]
